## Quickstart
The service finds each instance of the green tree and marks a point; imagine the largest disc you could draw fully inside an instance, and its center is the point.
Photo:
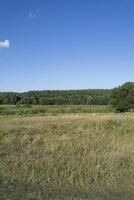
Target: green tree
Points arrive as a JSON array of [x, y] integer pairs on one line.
[[122, 98]]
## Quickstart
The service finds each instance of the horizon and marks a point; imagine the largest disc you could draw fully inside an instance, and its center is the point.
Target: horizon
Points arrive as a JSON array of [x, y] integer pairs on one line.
[[60, 89], [55, 90], [66, 44], [36, 90]]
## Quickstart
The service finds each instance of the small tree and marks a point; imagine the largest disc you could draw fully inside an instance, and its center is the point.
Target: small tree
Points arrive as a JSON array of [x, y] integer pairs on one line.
[[122, 98]]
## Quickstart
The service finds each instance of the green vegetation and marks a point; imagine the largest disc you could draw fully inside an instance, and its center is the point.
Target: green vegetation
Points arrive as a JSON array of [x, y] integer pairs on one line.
[[123, 97], [52, 109], [67, 152], [58, 97], [67, 157]]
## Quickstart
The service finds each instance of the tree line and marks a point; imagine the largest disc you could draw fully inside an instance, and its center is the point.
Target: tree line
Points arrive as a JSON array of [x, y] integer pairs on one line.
[[121, 98], [58, 97]]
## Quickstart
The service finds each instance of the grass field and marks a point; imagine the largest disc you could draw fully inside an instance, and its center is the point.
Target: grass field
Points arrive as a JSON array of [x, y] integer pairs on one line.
[[68, 157], [52, 109]]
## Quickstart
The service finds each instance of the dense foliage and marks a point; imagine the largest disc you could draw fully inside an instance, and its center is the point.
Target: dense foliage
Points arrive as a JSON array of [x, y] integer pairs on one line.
[[122, 98], [58, 97]]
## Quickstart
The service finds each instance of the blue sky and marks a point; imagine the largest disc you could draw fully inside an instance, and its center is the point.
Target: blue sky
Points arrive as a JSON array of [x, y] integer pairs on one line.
[[66, 44]]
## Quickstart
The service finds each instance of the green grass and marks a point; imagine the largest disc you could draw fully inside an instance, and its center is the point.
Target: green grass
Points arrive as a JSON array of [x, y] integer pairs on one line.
[[52, 109], [67, 157]]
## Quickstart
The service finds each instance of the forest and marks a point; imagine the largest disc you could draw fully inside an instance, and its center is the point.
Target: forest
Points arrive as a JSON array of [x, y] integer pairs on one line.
[[58, 97]]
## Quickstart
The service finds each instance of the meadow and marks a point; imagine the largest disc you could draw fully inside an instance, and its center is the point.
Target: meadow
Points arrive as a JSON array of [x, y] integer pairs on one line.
[[52, 109], [72, 156]]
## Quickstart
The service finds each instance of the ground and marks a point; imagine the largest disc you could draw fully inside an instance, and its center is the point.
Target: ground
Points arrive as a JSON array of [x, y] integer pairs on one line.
[[67, 157]]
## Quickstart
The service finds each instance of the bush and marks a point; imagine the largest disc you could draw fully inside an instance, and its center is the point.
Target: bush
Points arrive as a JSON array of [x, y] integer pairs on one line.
[[122, 98]]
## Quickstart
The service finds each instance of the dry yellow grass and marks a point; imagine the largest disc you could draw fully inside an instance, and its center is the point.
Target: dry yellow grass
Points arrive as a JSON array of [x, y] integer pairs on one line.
[[72, 156]]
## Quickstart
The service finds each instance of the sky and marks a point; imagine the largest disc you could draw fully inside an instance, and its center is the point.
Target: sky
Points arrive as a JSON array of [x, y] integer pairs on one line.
[[66, 44]]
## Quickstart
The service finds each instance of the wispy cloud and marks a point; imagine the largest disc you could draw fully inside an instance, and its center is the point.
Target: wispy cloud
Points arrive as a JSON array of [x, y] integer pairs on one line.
[[5, 44], [33, 14]]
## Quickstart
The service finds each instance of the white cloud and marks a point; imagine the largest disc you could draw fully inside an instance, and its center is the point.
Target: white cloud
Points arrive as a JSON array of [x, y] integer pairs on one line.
[[5, 44], [33, 14]]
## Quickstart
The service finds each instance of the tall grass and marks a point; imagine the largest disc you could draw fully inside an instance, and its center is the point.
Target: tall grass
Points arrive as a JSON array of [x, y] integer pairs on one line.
[[52, 109], [87, 156]]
